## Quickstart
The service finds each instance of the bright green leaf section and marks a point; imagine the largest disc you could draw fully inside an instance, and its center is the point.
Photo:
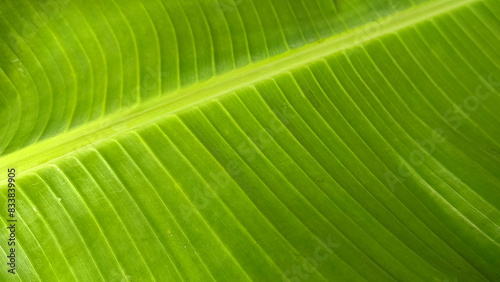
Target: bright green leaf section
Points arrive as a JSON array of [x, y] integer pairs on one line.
[[65, 62], [253, 140]]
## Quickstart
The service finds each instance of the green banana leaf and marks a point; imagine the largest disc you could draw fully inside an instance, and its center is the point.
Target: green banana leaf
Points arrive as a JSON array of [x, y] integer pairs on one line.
[[263, 140]]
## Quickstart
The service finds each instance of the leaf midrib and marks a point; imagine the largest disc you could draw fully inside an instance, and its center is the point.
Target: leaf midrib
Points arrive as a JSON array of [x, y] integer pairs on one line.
[[35, 155]]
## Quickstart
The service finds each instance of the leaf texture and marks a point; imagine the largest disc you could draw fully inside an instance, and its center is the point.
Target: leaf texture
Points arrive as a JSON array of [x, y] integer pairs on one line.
[[253, 140]]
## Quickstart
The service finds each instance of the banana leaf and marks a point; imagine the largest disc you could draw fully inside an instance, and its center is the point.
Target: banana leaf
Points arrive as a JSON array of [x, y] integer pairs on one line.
[[250, 140]]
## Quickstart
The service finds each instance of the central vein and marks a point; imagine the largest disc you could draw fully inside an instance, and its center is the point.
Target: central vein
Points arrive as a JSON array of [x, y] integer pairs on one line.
[[37, 154]]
